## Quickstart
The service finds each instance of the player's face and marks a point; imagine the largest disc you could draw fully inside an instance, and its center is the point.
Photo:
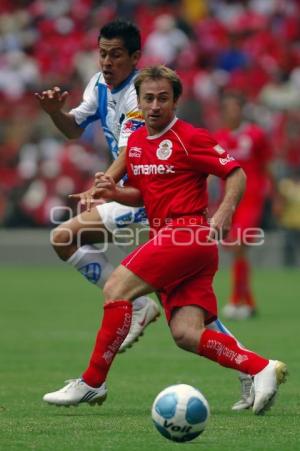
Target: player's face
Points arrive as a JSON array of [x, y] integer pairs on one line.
[[232, 112], [156, 100], [115, 61]]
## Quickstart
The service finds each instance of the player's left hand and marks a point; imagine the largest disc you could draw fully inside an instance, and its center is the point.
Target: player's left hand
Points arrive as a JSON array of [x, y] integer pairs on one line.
[[220, 225]]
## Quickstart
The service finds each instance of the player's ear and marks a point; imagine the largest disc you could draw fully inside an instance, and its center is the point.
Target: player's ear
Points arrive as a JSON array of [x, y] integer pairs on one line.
[[135, 56], [175, 104]]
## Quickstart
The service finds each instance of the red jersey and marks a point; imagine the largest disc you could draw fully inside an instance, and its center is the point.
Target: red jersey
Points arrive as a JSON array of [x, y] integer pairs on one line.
[[170, 169], [250, 147]]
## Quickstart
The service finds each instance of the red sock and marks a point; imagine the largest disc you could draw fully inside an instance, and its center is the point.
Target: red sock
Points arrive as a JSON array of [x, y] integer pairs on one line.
[[113, 331], [241, 283], [225, 350]]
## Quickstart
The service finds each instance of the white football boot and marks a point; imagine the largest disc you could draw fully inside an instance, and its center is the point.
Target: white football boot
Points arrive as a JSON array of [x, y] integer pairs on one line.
[[247, 398], [238, 312], [75, 392], [140, 320], [266, 384], [245, 312], [230, 311]]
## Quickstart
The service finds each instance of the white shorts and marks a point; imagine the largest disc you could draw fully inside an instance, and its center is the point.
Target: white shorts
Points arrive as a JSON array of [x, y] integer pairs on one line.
[[116, 216], [128, 225]]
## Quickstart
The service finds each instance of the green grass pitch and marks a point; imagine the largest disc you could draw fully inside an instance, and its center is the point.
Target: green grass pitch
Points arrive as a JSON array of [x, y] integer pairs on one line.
[[48, 321]]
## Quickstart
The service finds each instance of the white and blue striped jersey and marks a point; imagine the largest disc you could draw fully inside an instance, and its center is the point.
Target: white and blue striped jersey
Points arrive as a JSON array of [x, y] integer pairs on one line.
[[117, 110]]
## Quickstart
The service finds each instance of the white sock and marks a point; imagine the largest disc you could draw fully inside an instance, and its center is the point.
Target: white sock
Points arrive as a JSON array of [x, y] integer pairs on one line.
[[218, 326], [92, 264], [95, 267]]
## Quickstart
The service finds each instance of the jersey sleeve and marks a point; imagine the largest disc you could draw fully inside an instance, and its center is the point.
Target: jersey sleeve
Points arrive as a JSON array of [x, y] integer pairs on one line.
[[133, 118], [208, 157], [87, 111]]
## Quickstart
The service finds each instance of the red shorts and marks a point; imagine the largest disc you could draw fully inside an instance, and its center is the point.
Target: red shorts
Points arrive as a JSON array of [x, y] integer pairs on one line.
[[180, 264]]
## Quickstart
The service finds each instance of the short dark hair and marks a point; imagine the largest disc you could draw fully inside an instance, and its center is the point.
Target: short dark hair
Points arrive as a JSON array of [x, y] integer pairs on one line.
[[157, 73], [127, 31]]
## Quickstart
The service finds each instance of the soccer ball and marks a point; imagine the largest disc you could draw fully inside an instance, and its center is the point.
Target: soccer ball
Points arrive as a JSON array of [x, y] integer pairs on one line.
[[180, 412]]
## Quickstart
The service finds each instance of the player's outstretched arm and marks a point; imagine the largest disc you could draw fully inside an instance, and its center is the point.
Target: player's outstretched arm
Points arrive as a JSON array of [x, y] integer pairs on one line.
[[117, 169], [108, 190], [52, 102], [234, 188]]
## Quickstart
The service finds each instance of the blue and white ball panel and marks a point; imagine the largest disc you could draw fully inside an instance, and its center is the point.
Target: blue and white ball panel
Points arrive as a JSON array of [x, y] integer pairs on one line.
[[180, 412], [166, 405], [196, 411]]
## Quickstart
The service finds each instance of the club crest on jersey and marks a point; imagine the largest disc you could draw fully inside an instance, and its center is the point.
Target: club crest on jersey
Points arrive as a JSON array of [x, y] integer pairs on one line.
[[164, 150], [135, 152]]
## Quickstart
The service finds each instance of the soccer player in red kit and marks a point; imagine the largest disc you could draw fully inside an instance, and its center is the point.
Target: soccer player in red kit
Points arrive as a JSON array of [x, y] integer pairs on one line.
[[248, 144], [168, 162]]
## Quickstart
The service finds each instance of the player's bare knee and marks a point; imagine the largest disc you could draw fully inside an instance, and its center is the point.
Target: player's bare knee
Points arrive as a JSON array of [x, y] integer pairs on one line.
[[62, 241], [186, 337], [112, 289], [181, 336]]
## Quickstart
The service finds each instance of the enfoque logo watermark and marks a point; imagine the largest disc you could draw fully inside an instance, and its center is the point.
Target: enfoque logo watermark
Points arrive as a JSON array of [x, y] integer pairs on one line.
[[132, 233]]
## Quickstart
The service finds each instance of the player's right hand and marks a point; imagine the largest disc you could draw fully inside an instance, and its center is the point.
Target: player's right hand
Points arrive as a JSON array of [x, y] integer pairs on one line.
[[89, 197], [220, 224], [52, 100]]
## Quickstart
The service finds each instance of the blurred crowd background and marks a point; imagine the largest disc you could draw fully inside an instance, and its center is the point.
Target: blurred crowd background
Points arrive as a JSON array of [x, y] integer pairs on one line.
[[252, 46]]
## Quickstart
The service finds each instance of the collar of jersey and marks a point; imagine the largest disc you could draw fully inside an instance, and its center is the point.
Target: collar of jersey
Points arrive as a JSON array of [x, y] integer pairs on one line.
[[158, 135], [125, 82]]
